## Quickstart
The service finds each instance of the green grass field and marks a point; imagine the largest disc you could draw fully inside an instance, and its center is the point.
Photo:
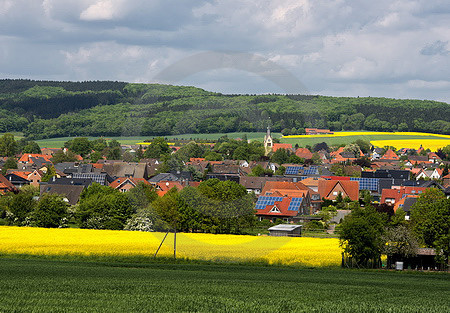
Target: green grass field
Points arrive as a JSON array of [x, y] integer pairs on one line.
[[39, 285], [59, 142]]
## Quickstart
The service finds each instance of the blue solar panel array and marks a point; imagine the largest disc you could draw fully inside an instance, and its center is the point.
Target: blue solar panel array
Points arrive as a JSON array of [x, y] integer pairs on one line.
[[295, 204], [293, 170], [367, 183], [311, 171], [264, 201]]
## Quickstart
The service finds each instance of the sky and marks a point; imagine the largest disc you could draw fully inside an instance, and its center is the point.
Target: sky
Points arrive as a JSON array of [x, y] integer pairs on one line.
[[384, 48]]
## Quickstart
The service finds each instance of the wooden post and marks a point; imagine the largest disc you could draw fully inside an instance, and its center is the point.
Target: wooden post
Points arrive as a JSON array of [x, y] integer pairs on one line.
[[161, 244], [175, 244]]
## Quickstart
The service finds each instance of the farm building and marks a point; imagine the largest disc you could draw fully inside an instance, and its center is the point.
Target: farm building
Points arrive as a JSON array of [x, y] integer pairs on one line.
[[286, 230]]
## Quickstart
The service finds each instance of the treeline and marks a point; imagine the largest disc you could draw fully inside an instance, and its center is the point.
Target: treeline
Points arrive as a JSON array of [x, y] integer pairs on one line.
[[213, 207], [155, 110]]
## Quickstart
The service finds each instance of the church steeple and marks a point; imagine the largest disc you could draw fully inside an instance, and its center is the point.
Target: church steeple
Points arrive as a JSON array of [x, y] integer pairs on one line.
[[268, 141]]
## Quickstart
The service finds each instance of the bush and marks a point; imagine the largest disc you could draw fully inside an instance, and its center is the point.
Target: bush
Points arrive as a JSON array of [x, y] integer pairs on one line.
[[50, 211]]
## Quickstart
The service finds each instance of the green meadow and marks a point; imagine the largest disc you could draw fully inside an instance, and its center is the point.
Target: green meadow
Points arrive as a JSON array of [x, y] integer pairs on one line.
[[39, 285]]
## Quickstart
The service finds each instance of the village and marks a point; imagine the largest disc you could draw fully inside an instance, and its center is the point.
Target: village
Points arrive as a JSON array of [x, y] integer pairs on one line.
[[286, 192]]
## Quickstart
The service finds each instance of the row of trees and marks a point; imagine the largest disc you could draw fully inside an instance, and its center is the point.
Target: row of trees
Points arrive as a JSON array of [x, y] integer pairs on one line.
[[365, 234], [215, 206]]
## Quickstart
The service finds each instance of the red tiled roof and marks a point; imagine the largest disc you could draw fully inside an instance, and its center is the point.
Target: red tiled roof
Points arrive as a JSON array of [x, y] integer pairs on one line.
[[285, 187], [196, 159], [26, 157], [400, 193], [24, 175], [350, 188], [282, 206], [390, 155], [277, 146], [303, 153], [5, 185], [164, 186]]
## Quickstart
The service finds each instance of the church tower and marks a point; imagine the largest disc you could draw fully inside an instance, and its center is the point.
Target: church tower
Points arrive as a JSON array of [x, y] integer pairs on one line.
[[268, 142]]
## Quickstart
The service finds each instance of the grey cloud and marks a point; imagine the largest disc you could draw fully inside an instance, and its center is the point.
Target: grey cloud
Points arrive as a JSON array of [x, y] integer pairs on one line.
[[436, 48], [331, 46]]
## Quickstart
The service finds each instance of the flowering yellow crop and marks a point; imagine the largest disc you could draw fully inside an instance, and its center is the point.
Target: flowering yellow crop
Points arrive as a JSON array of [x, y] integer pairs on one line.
[[280, 250], [432, 144], [366, 133]]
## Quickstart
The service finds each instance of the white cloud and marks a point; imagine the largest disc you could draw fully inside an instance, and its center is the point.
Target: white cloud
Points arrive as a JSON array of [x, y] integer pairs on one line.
[[102, 10], [391, 48]]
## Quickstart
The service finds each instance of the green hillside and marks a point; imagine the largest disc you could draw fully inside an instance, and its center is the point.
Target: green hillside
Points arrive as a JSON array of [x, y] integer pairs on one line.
[[44, 109]]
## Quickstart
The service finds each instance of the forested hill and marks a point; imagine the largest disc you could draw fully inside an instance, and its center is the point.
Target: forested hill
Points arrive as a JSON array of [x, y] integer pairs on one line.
[[43, 109]]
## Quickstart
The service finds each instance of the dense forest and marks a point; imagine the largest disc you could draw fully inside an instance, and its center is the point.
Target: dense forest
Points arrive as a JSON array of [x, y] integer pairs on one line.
[[45, 109]]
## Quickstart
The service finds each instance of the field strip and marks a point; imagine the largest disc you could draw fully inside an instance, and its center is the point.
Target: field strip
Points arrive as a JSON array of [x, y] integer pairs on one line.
[[87, 242], [432, 144]]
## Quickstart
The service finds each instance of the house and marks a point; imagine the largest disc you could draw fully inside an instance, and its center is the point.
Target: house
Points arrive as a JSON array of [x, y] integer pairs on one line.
[[312, 183], [70, 193], [126, 169], [318, 131], [17, 180], [392, 196], [256, 184], [69, 181], [430, 174], [285, 230], [27, 158], [126, 183], [6, 186], [330, 189], [446, 180], [395, 174], [163, 187], [340, 155], [34, 177], [70, 168], [101, 178], [304, 153], [286, 146], [406, 204], [225, 172], [287, 209], [390, 155], [434, 158], [50, 151], [311, 200]]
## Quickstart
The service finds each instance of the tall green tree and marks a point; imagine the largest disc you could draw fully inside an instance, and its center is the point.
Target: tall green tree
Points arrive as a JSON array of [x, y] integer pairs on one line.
[[79, 145], [430, 217], [8, 146], [50, 211], [361, 235], [157, 149], [102, 207]]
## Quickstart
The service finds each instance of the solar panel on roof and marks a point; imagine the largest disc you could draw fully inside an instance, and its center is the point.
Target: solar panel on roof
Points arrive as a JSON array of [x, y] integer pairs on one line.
[[264, 201], [367, 183], [295, 203]]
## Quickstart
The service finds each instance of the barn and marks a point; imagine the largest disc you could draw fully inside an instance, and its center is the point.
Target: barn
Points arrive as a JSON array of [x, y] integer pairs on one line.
[[286, 230]]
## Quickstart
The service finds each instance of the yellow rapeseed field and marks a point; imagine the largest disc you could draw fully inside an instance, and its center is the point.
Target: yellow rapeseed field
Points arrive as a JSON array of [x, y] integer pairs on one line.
[[68, 241], [432, 144], [367, 133]]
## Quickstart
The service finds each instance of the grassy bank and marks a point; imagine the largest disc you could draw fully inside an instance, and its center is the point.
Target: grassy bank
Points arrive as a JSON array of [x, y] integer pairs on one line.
[[58, 286]]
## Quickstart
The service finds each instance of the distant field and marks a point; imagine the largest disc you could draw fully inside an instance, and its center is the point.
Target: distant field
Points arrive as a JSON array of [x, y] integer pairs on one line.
[[39, 285], [17, 135], [59, 142], [380, 139]]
